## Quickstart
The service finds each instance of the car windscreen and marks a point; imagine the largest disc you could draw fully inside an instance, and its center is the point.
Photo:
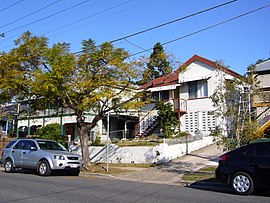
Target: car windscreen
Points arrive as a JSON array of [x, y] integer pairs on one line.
[[50, 145]]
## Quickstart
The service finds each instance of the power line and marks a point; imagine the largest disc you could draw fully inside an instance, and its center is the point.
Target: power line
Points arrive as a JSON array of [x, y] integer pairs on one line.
[[11, 5], [10, 23], [90, 16], [173, 21], [95, 14], [46, 17], [135, 45], [207, 28], [170, 22]]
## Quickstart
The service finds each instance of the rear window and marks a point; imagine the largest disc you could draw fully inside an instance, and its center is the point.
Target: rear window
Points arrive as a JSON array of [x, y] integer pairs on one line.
[[247, 150], [10, 144], [262, 149]]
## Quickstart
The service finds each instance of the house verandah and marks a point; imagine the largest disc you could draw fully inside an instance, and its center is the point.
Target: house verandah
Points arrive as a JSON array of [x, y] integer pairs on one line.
[[188, 89], [120, 124]]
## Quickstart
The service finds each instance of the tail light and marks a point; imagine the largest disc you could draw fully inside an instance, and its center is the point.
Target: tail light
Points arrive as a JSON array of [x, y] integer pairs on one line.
[[224, 157]]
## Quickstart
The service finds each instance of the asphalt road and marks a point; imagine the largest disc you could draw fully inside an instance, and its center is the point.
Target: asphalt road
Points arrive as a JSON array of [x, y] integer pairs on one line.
[[28, 187]]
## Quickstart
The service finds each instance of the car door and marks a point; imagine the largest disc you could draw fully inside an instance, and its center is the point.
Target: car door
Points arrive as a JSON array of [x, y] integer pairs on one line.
[[262, 163], [29, 154], [17, 152]]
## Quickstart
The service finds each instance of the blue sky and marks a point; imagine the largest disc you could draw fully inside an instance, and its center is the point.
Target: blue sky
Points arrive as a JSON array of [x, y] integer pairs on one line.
[[238, 43]]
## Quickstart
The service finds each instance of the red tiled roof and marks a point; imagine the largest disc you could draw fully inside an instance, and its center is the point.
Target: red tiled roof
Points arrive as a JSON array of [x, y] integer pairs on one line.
[[173, 77]]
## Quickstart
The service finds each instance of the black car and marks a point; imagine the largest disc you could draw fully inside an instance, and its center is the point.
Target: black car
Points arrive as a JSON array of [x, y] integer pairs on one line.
[[246, 168]]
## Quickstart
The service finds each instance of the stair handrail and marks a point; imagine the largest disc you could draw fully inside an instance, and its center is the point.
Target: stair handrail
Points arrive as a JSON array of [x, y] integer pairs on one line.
[[138, 126]]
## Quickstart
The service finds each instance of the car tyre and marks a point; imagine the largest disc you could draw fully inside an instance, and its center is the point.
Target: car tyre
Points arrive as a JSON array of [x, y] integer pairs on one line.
[[8, 166], [44, 168], [242, 184]]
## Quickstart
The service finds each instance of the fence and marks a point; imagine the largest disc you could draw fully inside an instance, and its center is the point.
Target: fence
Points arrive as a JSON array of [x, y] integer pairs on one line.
[[3, 142], [161, 153], [184, 139]]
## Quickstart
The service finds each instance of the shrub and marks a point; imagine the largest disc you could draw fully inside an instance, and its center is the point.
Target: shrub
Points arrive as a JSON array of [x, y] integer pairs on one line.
[[183, 134], [168, 120], [115, 140], [97, 141], [52, 132]]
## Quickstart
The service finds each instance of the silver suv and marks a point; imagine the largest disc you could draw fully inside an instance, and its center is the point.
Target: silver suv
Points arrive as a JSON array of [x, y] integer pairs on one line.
[[42, 155]]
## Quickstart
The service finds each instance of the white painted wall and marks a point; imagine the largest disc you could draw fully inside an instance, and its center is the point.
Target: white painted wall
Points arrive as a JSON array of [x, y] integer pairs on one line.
[[264, 80], [196, 71], [159, 154]]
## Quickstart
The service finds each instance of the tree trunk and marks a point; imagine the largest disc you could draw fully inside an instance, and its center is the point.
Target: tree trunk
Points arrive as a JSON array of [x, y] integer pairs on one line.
[[83, 132]]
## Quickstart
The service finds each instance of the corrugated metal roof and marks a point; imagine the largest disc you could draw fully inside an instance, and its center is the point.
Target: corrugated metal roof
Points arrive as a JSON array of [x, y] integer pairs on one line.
[[264, 66]]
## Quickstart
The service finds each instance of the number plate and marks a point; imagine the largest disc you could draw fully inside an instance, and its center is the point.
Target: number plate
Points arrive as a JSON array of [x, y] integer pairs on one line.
[[73, 166]]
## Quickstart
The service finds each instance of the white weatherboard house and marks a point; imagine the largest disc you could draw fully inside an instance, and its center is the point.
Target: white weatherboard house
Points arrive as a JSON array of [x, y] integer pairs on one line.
[[189, 91]]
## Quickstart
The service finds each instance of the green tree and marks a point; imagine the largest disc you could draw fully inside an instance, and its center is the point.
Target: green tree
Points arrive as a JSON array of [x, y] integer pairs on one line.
[[158, 65], [231, 100], [84, 82], [168, 120]]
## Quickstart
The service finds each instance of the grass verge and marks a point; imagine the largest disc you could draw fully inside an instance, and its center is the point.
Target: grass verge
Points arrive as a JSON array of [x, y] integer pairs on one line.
[[138, 143], [207, 172], [115, 168]]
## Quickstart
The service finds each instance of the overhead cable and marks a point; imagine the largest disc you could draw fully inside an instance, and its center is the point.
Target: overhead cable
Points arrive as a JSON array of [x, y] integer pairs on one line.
[[90, 16], [11, 5], [173, 21], [10, 23], [207, 28], [46, 17], [170, 22]]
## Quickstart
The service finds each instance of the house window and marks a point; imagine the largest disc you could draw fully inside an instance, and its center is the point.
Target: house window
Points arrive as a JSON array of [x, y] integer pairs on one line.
[[155, 95], [192, 90], [162, 95], [197, 89]]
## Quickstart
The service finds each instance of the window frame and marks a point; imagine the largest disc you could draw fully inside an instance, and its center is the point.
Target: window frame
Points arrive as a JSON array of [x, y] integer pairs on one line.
[[197, 89]]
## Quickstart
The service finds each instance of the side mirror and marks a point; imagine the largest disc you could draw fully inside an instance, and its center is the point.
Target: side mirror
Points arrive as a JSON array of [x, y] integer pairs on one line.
[[33, 148]]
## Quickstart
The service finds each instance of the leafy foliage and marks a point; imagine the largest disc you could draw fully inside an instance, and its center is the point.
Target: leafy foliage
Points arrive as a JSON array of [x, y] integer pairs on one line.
[[157, 66], [231, 100], [86, 81], [52, 132], [97, 141], [168, 120]]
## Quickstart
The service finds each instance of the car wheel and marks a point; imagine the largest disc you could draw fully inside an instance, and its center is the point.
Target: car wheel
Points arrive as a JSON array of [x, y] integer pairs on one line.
[[242, 183], [44, 168], [8, 165]]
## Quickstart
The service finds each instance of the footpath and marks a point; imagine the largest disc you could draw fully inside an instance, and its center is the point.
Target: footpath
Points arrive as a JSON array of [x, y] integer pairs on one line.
[[171, 173]]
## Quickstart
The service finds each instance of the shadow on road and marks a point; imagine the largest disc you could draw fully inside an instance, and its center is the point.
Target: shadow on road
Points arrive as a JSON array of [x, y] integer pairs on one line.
[[211, 185], [215, 186], [34, 172]]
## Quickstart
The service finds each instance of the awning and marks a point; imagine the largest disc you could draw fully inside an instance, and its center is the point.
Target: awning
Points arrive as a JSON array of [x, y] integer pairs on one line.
[[162, 88], [183, 78]]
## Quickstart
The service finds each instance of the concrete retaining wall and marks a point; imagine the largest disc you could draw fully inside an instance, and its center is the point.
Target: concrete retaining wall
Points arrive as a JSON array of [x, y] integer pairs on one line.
[[161, 153]]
